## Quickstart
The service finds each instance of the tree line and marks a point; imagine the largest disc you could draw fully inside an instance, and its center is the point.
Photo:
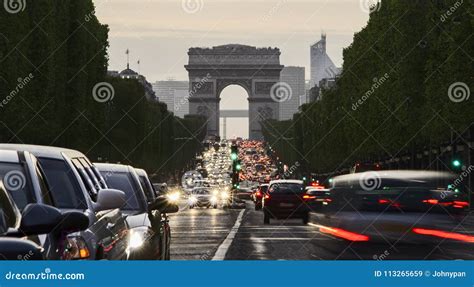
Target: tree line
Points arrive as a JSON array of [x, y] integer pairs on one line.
[[52, 55], [404, 89]]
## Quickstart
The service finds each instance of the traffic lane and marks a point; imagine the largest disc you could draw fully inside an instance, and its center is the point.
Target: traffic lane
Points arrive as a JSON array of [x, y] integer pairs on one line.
[[291, 240], [197, 233]]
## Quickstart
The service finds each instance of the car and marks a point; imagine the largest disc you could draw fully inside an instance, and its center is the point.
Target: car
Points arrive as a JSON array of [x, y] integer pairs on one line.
[[258, 195], [74, 184], [149, 228], [317, 198], [202, 197], [16, 228], [285, 199], [395, 206]]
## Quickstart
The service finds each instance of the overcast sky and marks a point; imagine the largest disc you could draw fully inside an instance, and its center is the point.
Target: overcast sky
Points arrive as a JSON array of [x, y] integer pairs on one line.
[[160, 32]]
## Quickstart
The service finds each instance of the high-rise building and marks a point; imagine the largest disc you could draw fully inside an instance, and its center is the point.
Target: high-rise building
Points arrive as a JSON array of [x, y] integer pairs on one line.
[[295, 78], [321, 65], [175, 95]]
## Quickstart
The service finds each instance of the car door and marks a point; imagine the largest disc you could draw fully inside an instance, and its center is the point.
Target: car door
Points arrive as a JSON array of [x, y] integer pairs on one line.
[[111, 227]]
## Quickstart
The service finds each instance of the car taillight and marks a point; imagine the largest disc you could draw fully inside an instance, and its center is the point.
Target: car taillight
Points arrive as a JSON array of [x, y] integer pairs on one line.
[[431, 201], [444, 234], [460, 204], [267, 196], [258, 193], [384, 201], [307, 196], [76, 248]]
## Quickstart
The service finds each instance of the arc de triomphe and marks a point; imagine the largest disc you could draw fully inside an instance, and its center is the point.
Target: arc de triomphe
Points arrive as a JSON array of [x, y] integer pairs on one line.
[[211, 70]]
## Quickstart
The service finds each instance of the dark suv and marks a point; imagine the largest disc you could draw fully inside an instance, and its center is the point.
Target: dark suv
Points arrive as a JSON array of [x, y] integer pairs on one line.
[[73, 183]]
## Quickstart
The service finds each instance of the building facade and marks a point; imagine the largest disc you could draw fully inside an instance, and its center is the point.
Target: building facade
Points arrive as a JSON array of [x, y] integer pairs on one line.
[[295, 78], [175, 95], [322, 66]]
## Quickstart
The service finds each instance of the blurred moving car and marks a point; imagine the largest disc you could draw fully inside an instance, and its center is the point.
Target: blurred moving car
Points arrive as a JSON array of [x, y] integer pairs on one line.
[[395, 207], [149, 228], [317, 198], [202, 197], [257, 196], [74, 184], [285, 199], [36, 219]]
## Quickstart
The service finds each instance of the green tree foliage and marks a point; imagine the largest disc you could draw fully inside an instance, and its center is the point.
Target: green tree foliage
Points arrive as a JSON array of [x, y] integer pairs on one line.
[[52, 54], [392, 97]]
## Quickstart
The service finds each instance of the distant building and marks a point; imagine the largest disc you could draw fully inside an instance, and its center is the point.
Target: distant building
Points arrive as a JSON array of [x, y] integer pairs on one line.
[[175, 95], [295, 78], [321, 65], [131, 74]]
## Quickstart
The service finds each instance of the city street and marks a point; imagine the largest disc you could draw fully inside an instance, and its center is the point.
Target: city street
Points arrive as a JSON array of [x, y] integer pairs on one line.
[[199, 233]]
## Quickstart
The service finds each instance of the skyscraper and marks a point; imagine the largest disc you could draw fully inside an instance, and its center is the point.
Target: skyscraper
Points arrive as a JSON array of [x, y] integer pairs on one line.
[[175, 95], [321, 65], [294, 77]]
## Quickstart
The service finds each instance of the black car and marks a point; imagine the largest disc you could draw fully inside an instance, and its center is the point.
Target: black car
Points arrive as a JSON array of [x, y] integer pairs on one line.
[[285, 199], [146, 213], [36, 219]]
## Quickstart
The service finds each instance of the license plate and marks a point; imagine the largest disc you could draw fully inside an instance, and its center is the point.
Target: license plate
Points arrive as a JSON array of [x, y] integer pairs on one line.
[[287, 205]]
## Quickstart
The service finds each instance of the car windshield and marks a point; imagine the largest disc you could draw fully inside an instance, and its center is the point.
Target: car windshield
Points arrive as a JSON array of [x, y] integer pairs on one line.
[[201, 191], [147, 188], [288, 188], [62, 183], [264, 188], [15, 181], [124, 182]]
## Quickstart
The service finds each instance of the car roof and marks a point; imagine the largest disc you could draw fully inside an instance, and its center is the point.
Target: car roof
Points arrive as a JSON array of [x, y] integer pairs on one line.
[[112, 167], [141, 172], [42, 151], [286, 181], [9, 156]]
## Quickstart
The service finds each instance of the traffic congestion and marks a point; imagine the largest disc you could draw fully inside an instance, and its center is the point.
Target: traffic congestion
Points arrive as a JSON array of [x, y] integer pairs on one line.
[[239, 202]]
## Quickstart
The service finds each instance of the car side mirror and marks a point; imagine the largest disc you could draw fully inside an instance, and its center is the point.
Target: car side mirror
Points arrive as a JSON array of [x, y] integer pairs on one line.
[[163, 205], [39, 219], [73, 221], [19, 249], [110, 199]]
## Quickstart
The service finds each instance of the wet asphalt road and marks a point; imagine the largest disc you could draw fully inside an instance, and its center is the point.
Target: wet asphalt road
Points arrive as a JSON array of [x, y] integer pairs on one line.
[[207, 234]]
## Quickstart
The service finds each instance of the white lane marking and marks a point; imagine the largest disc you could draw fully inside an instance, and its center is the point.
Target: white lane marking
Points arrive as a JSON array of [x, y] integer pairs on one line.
[[224, 247]]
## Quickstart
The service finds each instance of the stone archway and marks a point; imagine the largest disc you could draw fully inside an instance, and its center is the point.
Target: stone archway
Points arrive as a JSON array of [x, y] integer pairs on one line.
[[211, 70]]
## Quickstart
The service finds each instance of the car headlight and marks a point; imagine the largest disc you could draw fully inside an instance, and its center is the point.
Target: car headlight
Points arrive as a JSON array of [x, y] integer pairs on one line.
[[225, 195], [214, 200], [192, 199], [137, 238], [76, 248], [174, 196]]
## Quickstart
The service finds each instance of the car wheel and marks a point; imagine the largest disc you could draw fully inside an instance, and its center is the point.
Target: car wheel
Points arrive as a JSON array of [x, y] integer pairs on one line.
[[266, 218], [215, 206], [306, 218]]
